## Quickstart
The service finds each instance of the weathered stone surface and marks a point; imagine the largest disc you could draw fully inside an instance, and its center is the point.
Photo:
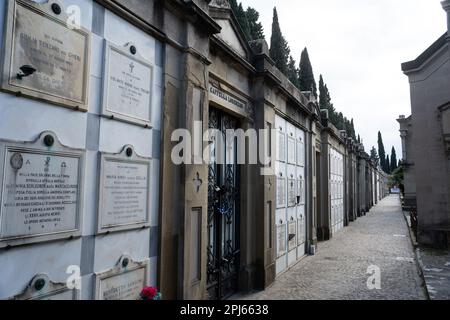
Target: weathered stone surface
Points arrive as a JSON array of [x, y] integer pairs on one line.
[[59, 55]]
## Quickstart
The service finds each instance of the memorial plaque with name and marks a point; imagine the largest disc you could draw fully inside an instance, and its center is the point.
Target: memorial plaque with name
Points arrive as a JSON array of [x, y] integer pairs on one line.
[[281, 240], [292, 195], [291, 150], [123, 282], [124, 201], [41, 191], [42, 288], [128, 85], [292, 235], [44, 57], [281, 192], [281, 140]]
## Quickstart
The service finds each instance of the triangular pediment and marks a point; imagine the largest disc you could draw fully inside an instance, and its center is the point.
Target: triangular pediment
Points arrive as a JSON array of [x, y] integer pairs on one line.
[[230, 37], [231, 33]]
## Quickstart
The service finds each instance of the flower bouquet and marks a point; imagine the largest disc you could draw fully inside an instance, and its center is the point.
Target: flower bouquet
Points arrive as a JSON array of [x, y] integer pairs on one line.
[[150, 293]]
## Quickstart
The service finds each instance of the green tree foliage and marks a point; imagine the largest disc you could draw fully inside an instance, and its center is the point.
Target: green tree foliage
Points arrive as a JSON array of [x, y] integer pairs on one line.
[[292, 72], [306, 74], [393, 160], [279, 49], [325, 99], [374, 156], [248, 21], [397, 179], [256, 28], [241, 17], [388, 165], [336, 118], [352, 130], [381, 152]]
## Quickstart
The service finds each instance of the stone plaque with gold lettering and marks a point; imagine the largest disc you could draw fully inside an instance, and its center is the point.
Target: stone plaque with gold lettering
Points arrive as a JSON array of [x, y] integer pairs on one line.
[[127, 85], [123, 282], [41, 191], [124, 191], [44, 57]]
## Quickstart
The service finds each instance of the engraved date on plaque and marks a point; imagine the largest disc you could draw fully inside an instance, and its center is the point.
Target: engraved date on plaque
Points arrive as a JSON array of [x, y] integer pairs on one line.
[[40, 194], [44, 57]]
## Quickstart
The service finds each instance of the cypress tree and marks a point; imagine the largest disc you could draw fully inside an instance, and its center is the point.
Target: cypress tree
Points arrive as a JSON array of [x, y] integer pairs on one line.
[[292, 72], [256, 28], [353, 132], [393, 160], [381, 152], [359, 139], [241, 17], [374, 155], [387, 164], [325, 100], [279, 49], [306, 74]]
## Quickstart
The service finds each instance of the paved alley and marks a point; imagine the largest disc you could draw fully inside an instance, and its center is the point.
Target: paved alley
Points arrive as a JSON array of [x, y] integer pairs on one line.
[[339, 269]]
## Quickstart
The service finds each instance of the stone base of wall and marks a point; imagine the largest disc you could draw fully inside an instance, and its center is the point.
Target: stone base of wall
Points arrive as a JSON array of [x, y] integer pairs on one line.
[[323, 234], [439, 239]]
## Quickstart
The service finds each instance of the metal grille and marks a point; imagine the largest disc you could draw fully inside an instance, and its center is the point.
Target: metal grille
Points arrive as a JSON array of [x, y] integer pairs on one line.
[[223, 210]]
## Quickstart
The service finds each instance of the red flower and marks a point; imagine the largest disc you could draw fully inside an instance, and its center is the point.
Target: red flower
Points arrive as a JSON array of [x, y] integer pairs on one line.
[[149, 293]]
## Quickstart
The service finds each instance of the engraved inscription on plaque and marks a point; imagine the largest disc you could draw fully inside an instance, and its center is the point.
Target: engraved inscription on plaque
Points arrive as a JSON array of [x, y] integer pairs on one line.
[[42, 288], [123, 282], [292, 192], [128, 82], [292, 235], [41, 191], [281, 192], [281, 140], [124, 201], [291, 150], [281, 240], [44, 57]]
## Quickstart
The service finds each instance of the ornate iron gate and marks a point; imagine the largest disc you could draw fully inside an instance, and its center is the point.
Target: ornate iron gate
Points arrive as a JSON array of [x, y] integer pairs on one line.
[[223, 210]]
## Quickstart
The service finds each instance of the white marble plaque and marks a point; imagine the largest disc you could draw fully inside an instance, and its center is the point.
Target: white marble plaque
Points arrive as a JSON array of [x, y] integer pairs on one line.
[[124, 201], [42, 288], [59, 55], [281, 146], [291, 150], [281, 240], [292, 235], [123, 282], [128, 85], [292, 194], [41, 191], [301, 190], [281, 192]]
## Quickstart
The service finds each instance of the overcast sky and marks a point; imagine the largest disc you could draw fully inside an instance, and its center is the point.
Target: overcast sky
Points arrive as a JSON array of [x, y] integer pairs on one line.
[[358, 46]]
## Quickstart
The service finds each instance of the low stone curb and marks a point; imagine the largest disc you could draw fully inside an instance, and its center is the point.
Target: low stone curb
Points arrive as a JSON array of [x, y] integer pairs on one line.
[[417, 255]]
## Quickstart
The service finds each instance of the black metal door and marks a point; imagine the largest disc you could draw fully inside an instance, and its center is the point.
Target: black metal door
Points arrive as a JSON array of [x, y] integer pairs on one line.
[[223, 210]]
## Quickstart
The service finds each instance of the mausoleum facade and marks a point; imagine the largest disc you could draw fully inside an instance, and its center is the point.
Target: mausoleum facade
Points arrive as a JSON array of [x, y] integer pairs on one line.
[[114, 166]]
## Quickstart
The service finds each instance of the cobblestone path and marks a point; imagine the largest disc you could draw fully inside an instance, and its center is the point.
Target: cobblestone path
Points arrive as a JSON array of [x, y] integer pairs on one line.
[[339, 269]]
